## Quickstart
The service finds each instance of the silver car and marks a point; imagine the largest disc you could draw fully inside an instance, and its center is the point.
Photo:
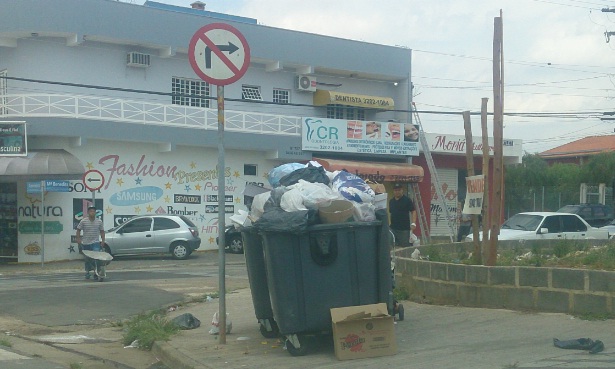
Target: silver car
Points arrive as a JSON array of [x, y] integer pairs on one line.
[[154, 234]]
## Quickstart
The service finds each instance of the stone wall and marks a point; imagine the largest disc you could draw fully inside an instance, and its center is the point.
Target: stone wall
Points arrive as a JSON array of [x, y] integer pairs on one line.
[[574, 291]]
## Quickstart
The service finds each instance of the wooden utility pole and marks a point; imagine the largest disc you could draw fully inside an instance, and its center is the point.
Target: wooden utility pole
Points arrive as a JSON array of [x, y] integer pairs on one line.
[[486, 216], [498, 124], [467, 125]]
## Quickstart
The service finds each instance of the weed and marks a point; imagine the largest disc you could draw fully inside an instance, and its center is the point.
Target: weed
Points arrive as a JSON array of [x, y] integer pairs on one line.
[[401, 293], [148, 328], [434, 254], [5, 343], [76, 366], [596, 316], [511, 366], [562, 249]]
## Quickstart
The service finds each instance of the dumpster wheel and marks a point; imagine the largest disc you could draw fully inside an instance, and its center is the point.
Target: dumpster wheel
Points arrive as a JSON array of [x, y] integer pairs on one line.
[[269, 328], [400, 312], [299, 347]]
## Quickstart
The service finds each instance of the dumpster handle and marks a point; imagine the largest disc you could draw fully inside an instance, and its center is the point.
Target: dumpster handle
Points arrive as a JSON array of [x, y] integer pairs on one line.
[[323, 248]]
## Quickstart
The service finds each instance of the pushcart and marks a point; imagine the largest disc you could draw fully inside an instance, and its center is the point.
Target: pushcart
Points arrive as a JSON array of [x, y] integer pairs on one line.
[[101, 259]]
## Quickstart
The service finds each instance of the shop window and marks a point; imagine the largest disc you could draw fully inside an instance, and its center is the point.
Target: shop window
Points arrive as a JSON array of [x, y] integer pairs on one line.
[[249, 169], [251, 93], [335, 111], [188, 92], [281, 96]]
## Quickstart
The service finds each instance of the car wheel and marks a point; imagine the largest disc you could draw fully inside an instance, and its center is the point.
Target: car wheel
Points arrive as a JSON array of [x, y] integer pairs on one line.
[[235, 244], [180, 251]]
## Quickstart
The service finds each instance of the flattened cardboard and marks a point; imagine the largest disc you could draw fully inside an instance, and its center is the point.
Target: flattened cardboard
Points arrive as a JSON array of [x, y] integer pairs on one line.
[[363, 331]]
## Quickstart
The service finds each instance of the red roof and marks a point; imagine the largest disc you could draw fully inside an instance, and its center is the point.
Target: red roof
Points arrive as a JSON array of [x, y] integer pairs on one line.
[[584, 147]]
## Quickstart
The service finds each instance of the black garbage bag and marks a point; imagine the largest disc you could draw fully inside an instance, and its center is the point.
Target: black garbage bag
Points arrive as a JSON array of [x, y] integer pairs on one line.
[[186, 321], [309, 174], [275, 219], [580, 344]]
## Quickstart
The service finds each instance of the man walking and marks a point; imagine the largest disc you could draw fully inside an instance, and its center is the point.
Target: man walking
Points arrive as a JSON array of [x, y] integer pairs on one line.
[[93, 237], [403, 216]]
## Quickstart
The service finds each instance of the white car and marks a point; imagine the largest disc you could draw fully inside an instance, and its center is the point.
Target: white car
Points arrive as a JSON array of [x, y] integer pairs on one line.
[[547, 225], [609, 228]]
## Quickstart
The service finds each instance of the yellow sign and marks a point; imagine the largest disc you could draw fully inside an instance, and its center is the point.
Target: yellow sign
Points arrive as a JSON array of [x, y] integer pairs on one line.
[[326, 97]]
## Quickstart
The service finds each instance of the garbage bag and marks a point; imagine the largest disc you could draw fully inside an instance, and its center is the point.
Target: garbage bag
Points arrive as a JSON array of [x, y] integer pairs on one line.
[[186, 321], [215, 324], [278, 172], [315, 195], [258, 205], [275, 219], [309, 174], [580, 344], [364, 212], [275, 198], [353, 187], [292, 201]]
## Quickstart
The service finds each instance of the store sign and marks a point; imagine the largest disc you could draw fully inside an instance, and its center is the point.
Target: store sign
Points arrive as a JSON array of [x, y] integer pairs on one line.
[[33, 227], [212, 209], [13, 139], [474, 195], [356, 136], [136, 196], [186, 199]]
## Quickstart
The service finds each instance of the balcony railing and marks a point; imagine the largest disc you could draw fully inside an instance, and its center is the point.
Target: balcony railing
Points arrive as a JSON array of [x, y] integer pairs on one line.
[[147, 113]]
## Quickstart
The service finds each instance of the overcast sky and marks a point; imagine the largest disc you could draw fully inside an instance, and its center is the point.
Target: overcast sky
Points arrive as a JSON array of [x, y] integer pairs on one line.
[[556, 56]]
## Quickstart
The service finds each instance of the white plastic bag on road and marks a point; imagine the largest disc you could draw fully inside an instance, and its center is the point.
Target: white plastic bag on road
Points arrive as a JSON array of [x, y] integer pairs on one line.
[[215, 324]]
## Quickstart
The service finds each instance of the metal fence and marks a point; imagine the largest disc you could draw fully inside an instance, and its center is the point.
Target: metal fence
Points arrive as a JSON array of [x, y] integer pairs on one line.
[[546, 198]]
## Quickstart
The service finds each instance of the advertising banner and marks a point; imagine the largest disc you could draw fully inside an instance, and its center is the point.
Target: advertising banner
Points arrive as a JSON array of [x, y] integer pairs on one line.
[[13, 140], [474, 195], [356, 136]]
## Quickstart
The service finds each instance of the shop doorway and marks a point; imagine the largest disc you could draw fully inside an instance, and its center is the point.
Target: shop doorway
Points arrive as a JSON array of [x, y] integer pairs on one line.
[[8, 221]]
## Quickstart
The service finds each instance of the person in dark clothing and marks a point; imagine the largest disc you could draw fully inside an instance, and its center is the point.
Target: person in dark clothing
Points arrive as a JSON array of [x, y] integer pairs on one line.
[[403, 216]]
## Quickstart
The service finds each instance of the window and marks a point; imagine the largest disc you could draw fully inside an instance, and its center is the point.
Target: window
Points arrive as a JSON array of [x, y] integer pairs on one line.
[[249, 169], [161, 224], [3, 92], [573, 224], [251, 93], [138, 225], [345, 112], [187, 91], [586, 212], [552, 224], [281, 96]]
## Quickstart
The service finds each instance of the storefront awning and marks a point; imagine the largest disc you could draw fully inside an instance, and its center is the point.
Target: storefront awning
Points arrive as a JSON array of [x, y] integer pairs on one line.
[[40, 165], [326, 97], [376, 172]]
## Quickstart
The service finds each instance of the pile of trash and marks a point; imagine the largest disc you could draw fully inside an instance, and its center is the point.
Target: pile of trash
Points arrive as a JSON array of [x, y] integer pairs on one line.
[[307, 194]]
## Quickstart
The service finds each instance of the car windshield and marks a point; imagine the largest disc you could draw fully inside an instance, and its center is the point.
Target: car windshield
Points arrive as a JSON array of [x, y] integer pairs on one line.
[[523, 222]]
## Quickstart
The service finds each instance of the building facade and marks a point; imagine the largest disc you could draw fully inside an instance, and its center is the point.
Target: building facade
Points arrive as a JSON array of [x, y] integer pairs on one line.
[[109, 85]]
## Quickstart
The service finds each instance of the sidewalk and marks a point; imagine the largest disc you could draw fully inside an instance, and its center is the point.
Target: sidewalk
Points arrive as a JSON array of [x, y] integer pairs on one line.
[[9, 359], [430, 337]]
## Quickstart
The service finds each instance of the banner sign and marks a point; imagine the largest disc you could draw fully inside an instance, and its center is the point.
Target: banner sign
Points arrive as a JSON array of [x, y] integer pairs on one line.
[[13, 140], [356, 136], [474, 195]]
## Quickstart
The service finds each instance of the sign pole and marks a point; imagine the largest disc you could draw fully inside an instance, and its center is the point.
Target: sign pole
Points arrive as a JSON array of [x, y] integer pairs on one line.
[[221, 218], [43, 224]]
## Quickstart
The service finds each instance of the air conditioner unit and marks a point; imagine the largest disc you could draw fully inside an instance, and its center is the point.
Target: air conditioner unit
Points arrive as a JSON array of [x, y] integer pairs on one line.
[[140, 60], [305, 83]]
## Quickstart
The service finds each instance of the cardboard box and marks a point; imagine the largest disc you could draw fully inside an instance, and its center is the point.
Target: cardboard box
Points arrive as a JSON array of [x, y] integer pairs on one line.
[[363, 331]]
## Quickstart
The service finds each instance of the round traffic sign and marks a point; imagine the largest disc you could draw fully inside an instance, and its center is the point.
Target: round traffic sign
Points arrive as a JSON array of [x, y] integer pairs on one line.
[[93, 180], [219, 54]]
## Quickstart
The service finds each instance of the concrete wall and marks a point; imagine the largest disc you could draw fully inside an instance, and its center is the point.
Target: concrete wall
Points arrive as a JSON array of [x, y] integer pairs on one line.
[[573, 291]]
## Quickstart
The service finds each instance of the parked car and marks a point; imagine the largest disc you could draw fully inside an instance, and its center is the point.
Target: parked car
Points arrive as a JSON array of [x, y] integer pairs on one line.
[[147, 234], [596, 215], [610, 228], [233, 240], [547, 225]]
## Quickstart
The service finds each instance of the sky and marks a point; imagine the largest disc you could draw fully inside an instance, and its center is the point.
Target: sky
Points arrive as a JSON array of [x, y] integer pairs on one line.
[[557, 61]]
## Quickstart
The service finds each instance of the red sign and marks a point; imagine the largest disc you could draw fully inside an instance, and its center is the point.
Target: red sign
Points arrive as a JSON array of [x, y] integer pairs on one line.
[[219, 54], [93, 179]]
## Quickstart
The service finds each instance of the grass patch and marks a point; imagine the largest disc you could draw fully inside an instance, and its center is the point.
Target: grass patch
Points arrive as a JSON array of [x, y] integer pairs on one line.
[[148, 328], [6, 343], [401, 293], [76, 366], [595, 317]]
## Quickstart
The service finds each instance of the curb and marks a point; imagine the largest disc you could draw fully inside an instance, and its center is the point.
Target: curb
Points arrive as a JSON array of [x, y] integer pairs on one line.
[[172, 358]]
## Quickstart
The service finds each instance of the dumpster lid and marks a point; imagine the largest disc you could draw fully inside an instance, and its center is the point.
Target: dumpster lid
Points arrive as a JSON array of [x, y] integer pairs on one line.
[[375, 171], [358, 312]]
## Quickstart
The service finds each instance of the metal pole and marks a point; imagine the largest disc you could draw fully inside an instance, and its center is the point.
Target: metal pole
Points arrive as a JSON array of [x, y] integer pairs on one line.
[[43, 224], [221, 218], [542, 205]]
